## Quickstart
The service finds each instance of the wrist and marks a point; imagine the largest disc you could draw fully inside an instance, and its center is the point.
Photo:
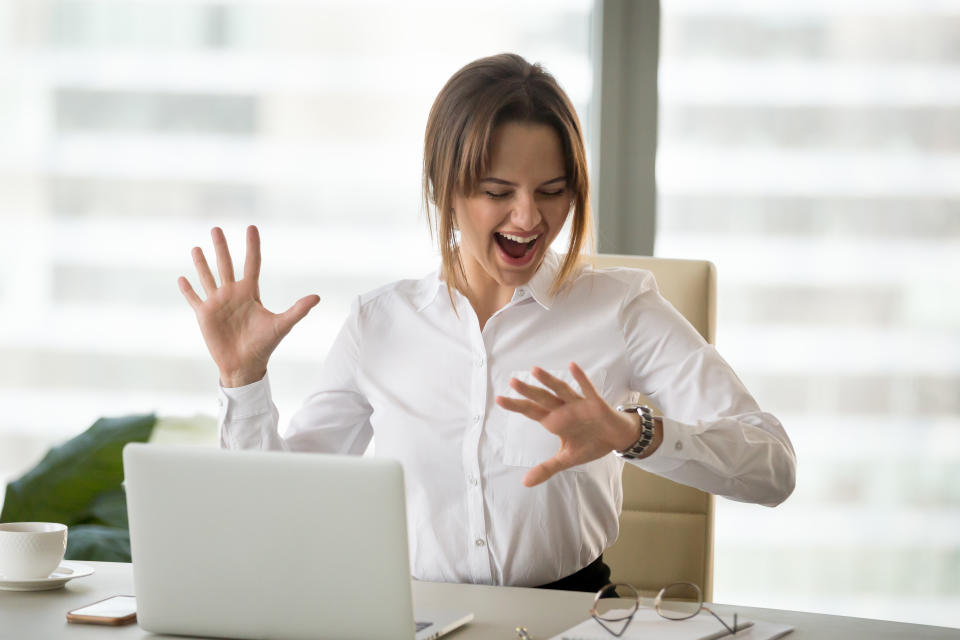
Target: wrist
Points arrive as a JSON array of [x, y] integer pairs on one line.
[[650, 434], [657, 439], [241, 379], [629, 430]]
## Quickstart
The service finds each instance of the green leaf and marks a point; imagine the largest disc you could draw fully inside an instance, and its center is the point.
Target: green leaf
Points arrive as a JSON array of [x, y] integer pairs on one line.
[[96, 542], [79, 482], [65, 486], [110, 509]]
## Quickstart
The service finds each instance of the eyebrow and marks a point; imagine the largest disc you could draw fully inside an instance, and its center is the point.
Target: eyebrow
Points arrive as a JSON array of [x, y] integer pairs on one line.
[[511, 184]]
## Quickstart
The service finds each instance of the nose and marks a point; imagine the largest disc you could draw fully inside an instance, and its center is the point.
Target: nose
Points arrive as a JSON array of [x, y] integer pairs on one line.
[[525, 213]]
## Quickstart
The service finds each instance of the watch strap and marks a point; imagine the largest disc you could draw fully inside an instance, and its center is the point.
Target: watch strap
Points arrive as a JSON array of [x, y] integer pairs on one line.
[[646, 430]]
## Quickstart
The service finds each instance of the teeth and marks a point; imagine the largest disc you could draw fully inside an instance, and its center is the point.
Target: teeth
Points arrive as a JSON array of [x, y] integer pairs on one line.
[[518, 238]]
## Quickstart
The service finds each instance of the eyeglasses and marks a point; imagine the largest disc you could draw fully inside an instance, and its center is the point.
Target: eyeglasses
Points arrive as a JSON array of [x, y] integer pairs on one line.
[[677, 601]]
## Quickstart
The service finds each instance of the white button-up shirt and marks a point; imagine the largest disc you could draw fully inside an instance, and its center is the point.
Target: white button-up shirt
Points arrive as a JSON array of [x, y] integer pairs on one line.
[[422, 377]]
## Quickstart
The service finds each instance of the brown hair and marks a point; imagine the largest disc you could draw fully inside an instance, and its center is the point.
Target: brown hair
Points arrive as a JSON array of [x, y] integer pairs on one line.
[[476, 99]]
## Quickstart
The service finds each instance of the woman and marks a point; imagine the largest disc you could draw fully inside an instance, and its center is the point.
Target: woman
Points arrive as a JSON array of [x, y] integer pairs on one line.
[[494, 379]]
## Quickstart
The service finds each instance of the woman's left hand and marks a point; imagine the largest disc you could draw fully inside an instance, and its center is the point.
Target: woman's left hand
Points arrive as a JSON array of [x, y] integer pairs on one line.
[[587, 426]]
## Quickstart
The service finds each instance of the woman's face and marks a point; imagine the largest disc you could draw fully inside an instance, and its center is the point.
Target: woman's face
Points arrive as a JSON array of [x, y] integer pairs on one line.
[[518, 208]]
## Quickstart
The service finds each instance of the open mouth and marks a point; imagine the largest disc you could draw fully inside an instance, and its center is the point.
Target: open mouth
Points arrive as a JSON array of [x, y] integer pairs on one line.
[[516, 248]]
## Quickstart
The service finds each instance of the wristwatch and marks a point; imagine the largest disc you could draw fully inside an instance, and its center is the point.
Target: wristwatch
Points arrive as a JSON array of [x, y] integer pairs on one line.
[[646, 430]]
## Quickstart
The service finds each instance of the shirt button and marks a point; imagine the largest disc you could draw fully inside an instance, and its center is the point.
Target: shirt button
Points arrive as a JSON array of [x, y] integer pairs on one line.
[[476, 418], [678, 446], [220, 401], [473, 481], [479, 542], [521, 291], [480, 363]]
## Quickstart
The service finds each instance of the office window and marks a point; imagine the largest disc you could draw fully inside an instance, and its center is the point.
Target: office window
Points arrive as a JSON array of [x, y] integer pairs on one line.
[[130, 128], [812, 151]]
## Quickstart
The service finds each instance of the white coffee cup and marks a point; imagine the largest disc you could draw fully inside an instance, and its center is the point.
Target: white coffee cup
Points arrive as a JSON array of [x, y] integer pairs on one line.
[[31, 550]]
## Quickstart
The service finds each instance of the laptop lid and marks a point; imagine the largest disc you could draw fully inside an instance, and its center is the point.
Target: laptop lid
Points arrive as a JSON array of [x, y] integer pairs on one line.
[[246, 544]]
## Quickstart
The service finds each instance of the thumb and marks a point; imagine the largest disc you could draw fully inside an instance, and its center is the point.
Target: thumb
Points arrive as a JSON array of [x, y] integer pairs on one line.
[[543, 472], [297, 312]]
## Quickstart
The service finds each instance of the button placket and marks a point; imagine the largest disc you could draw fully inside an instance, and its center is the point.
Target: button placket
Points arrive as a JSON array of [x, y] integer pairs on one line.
[[478, 560]]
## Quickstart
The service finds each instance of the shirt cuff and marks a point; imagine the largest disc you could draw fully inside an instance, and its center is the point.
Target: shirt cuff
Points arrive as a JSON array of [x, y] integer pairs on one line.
[[673, 449], [254, 399]]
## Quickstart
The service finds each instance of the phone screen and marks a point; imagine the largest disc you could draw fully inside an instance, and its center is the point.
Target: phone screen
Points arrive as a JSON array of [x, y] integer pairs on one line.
[[115, 607]]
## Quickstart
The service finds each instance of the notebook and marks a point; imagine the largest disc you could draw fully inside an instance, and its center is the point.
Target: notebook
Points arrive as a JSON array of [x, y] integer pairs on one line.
[[245, 544]]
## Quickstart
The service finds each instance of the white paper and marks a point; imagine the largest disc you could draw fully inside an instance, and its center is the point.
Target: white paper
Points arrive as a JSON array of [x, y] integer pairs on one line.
[[647, 624]]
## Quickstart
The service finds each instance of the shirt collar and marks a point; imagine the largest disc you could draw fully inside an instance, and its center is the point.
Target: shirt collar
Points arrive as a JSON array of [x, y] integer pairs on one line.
[[538, 288], [541, 282], [428, 288]]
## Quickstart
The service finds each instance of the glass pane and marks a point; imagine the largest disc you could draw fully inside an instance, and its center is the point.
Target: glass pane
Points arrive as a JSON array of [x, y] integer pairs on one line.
[[811, 150], [130, 129]]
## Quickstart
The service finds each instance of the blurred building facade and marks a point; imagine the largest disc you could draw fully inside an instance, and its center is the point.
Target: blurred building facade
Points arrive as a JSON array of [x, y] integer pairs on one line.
[[129, 128], [812, 151]]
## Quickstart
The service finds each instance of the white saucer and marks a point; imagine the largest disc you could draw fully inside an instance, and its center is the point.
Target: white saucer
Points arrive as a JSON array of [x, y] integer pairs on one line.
[[66, 572]]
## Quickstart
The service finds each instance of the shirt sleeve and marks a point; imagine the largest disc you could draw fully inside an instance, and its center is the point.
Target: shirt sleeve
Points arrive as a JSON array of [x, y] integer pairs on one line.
[[715, 437], [335, 418]]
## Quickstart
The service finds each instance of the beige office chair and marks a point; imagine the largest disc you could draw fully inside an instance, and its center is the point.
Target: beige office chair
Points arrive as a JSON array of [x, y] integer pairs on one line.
[[666, 529]]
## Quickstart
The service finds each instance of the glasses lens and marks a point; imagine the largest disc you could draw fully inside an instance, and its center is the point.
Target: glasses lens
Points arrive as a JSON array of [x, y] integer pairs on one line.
[[679, 601], [616, 604]]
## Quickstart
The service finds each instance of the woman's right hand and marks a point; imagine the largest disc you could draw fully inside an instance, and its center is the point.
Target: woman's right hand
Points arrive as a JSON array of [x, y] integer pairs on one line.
[[240, 333]]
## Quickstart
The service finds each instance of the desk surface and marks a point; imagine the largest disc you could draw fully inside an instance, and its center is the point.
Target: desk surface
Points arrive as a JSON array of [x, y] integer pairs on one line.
[[497, 610]]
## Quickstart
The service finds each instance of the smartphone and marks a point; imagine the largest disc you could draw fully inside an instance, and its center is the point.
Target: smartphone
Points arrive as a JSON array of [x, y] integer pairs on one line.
[[113, 611]]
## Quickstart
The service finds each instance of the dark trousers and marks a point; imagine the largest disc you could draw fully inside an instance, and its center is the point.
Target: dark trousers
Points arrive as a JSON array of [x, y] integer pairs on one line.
[[592, 578]]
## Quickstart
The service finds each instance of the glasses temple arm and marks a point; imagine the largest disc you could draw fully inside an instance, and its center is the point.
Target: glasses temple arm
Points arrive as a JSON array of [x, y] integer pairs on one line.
[[725, 625]]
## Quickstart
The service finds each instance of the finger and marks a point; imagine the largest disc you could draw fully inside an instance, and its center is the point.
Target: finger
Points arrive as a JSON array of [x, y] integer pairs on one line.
[[251, 264], [192, 298], [558, 386], [525, 407], [538, 394], [543, 472], [203, 271], [296, 313], [224, 263], [586, 387]]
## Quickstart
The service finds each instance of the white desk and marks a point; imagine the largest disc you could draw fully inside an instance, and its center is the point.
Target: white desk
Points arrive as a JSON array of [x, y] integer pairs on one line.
[[41, 615]]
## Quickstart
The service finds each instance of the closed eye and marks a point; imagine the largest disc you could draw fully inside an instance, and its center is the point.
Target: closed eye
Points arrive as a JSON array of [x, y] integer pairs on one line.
[[506, 194]]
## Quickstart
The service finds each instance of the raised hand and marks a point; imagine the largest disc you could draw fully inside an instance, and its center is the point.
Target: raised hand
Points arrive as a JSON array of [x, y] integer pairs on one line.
[[240, 333], [587, 426]]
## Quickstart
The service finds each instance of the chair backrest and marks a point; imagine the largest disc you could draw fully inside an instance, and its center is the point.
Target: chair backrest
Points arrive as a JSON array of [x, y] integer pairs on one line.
[[666, 529]]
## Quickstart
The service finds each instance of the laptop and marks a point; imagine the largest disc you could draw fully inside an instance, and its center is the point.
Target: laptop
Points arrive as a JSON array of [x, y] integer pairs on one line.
[[253, 544]]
